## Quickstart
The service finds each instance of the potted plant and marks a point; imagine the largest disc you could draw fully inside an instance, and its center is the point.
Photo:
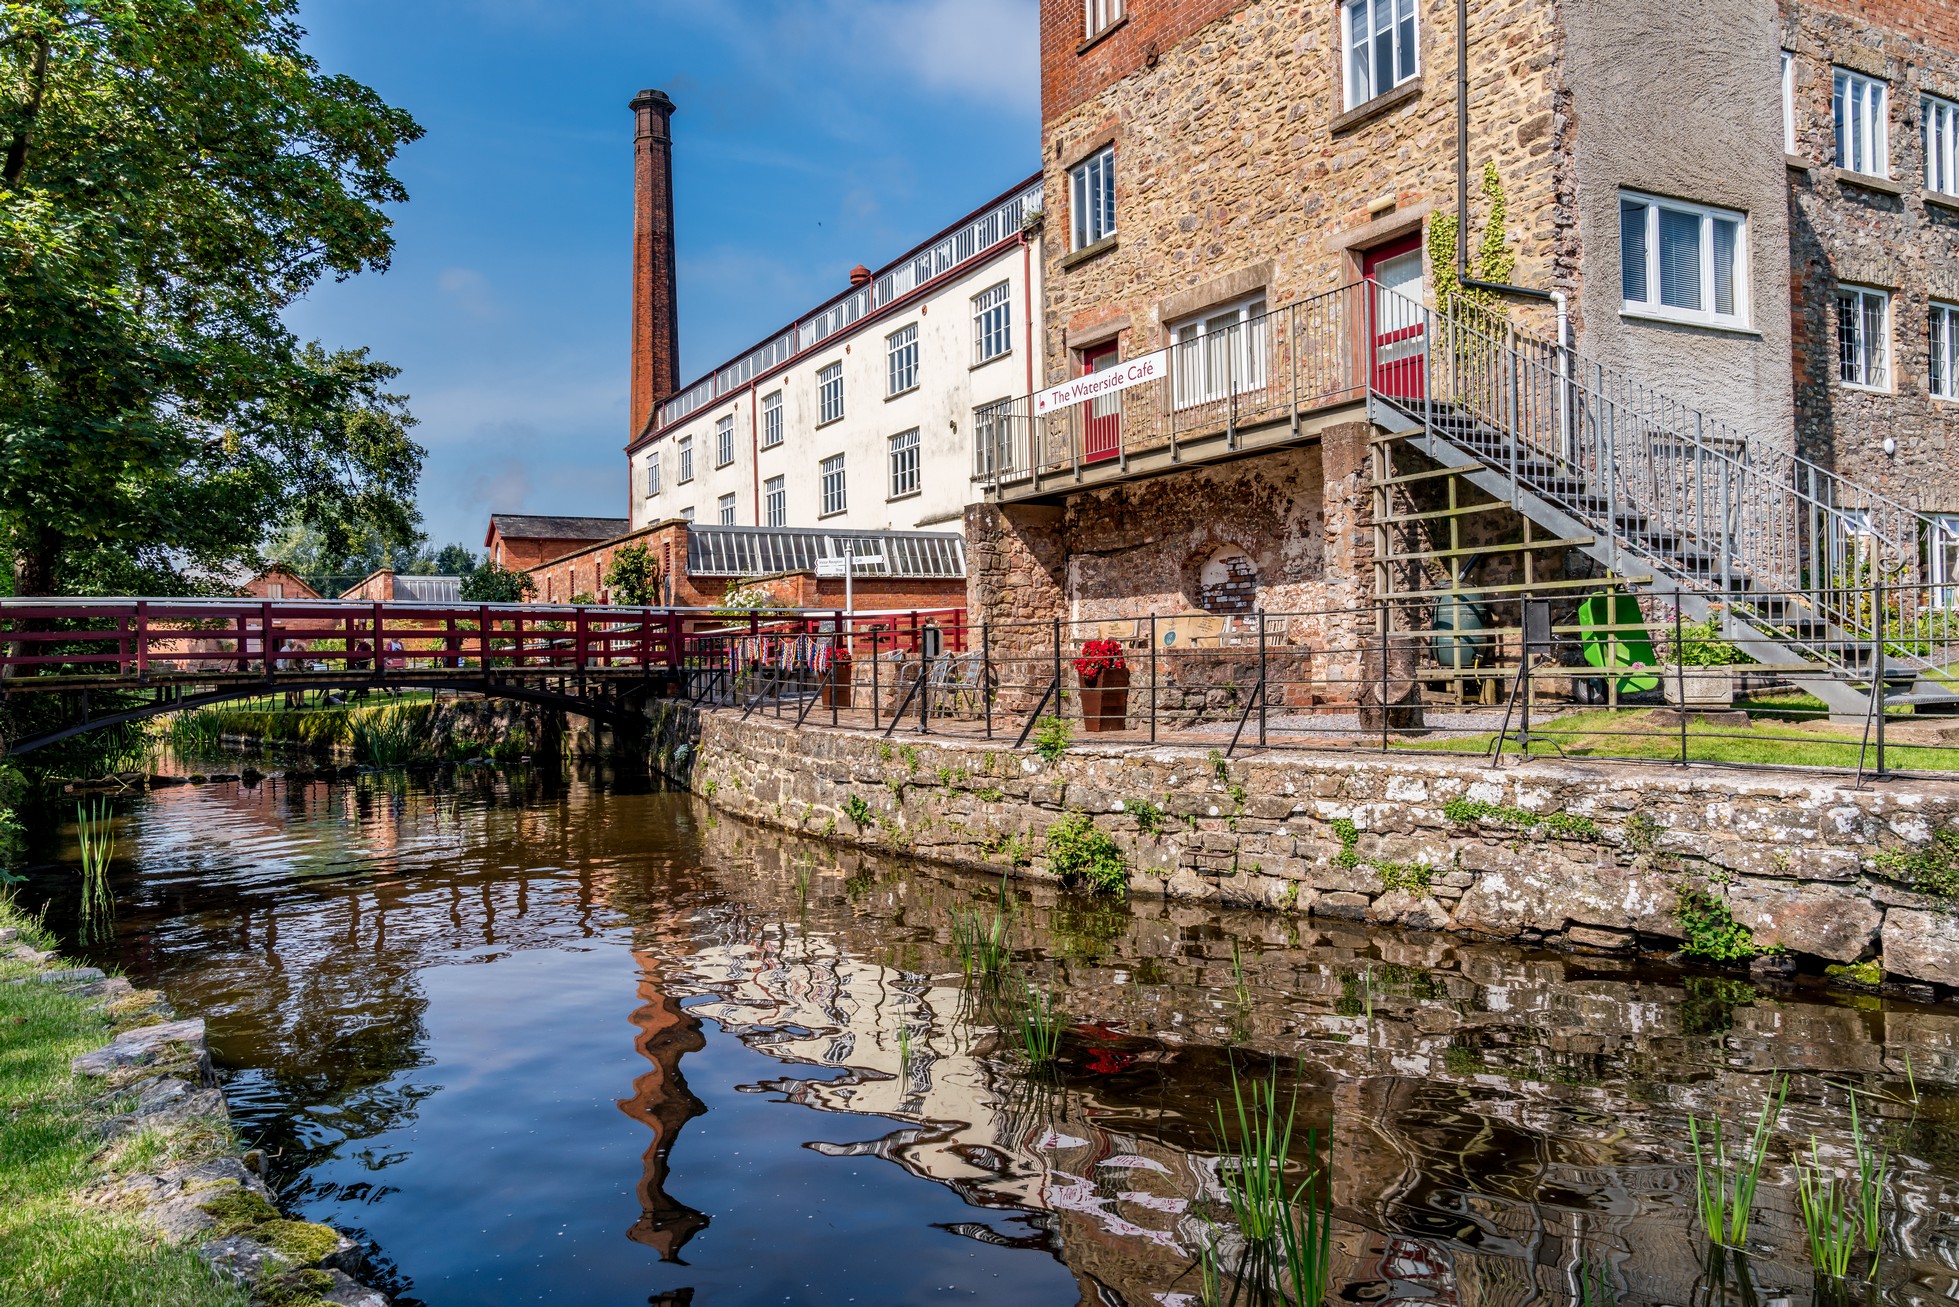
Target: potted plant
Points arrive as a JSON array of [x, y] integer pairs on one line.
[[1104, 676], [1703, 671]]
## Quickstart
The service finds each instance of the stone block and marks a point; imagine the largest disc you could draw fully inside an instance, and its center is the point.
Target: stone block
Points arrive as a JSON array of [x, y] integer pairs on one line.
[[1807, 918], [1920, 945], [1342, 905]]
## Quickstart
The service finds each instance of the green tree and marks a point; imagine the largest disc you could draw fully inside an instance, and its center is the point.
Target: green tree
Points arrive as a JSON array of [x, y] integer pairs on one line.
[[173, 175], [634, 578], [495, 584], [454, 560]]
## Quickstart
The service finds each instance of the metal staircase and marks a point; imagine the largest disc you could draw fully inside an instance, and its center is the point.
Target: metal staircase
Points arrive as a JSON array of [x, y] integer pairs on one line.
[[1819, 578]]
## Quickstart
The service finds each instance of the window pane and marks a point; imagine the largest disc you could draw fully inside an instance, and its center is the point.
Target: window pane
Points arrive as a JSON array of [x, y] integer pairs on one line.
[[1405, 39], [1680, 259], [1840, 114], [1938, 329], [1632, 252], [1850, 354], [1359, 89], [1876, 342], [1383, 45], [1727, 237]]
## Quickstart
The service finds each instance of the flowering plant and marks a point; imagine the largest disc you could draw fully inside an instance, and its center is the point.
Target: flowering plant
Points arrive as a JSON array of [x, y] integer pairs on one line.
[[1099, 656]]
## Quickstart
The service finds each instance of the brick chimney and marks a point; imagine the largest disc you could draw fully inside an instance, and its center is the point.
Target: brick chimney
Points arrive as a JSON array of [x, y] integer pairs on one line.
[[656, 320]]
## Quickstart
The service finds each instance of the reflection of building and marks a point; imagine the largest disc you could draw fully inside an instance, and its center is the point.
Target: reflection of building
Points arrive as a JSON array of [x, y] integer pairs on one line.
[[662, 1103]]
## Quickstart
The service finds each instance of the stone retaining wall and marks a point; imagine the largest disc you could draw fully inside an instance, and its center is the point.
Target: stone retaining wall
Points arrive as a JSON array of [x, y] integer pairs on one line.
[[1581, 855]]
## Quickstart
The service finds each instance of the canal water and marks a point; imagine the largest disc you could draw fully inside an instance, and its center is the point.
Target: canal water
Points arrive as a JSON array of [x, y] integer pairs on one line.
[[542, 1039]]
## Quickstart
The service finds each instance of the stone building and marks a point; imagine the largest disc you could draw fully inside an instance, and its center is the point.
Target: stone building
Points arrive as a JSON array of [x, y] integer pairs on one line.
[[1728, 232], [520, 541]]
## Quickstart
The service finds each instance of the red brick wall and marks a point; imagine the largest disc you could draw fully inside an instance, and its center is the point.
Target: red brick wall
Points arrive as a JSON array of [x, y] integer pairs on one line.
[[1070, 74], [260, 586], [656, 347]]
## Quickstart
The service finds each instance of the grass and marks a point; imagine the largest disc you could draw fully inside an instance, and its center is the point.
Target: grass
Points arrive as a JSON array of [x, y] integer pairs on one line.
[[53, 1251], [985, 946], [1724, 1185], [95, 827]]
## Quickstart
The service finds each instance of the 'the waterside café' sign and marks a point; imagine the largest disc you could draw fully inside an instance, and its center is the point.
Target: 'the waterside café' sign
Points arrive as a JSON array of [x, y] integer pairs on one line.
[[1117, 376]]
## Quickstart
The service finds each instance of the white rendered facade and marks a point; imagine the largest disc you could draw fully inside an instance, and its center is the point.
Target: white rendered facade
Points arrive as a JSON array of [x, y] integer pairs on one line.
[[910, 354]]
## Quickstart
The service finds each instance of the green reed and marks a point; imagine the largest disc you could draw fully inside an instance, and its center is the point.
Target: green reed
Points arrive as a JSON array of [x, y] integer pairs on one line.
[[1873, 1167], [985, 947], [1724, 1186], [1830, 1220], [904, 1045], [96, 834], [199, 731], [1287, 1229], [1594, 1287], [385, 737], [1039, 1024], [1243, 990]]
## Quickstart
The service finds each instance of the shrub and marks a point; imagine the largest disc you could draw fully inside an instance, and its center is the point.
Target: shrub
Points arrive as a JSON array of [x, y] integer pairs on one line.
[[1084, 857], [1710, 931], [1051, 737], [495, 584], [634, 577], [857, 810]]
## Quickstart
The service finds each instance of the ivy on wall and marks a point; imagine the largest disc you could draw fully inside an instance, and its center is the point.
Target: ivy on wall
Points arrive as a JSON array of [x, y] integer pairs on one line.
[[1492, 260]]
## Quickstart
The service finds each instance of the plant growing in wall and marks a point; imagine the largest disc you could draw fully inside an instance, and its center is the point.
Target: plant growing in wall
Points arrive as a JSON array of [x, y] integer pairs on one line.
[[634, 577], [1084, 857], [1492, 259]]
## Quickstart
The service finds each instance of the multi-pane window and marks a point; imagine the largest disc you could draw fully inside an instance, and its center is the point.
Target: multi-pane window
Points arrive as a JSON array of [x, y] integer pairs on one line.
[[829, 394], [686, 458], [1683, 261], [833, 496], [904, 463], [1945, 559], [1381, 50], [1788, 102], [901, 360], [1219, 351], [1938, 123], [724, 509], [1861, 112], [724, 441], [993, 450], [1102, 15], [687, 513], [992, 322], [1864, 338], [1944, 377], [1092, 195], [775, 502], [653, 474], [771, 419]]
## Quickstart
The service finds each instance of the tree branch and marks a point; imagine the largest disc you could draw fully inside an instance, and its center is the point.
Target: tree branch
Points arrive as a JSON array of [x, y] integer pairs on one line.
[[16, 165]]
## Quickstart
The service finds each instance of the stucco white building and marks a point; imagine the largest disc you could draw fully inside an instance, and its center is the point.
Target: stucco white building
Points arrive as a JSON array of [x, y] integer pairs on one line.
[[860, 414]]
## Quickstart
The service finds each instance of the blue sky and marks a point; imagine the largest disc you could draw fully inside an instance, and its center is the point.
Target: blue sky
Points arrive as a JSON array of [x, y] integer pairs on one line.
[[811, 135]]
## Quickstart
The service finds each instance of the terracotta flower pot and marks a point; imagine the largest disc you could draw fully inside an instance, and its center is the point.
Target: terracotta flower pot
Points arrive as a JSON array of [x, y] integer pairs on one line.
[[1105, 701], [837, 689]]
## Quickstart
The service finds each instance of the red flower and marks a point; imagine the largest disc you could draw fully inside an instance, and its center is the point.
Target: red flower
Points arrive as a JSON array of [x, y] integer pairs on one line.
[[1100, 656]]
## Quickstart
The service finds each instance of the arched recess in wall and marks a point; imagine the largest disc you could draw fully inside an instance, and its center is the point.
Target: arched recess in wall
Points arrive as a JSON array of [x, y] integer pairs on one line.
[[1223, 579]]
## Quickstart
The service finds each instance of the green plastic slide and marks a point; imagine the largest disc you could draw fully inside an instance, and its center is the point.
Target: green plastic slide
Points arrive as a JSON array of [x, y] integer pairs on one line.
[[1614, 635]]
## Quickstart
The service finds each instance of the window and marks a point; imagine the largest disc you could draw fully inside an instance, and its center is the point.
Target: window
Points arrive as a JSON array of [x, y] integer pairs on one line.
[[904, 464], [901, 360], [687, 513], [653, 474], [1945, 351], [1219, 351], [275, 590], [1683, 261], [1380, 41], [775, 502], [829, 394], [1945, 560], [1860, 109], [992, 322], [686, 459], [993, 451], [1102, 15], [1092, 195], [1864, 338], [771, 419], [833, 497], [1788, 103], [1938, 123], [724, 509], [724, 441]]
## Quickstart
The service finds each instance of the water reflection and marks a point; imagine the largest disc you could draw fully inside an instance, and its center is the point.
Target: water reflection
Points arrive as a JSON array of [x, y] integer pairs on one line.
[[498, 1023]]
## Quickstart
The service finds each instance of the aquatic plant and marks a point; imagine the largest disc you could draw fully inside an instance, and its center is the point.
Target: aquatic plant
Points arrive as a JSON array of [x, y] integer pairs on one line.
[[985, 952], [201, 731], [1829, 1222], [95, 832], [1083, 856], [1724, 1186], [1242, 990], [1039, 1025], [1594, 1284], [1287, 1229], [385, 737], [1873, 1165]]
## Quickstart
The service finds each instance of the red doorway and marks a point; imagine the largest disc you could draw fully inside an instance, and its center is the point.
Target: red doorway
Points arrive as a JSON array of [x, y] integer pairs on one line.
[[1395, 319], [1102, 423]]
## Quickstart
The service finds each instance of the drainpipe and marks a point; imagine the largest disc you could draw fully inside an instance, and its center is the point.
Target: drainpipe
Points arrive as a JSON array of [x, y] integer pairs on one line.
[[1564, 372], [1027, 296], [1462, 174]]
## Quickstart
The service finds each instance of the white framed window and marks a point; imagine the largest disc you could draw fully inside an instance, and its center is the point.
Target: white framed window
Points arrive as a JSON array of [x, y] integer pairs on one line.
[[1938, 124], [687, 513], [1379, 37], [901, 360], [904, 464], [775, 502], [1684, 262], [829, 394], [1944, 341], [724, 510], [1092, 196], [686, 447], [724, 441], [1864, 338], [772, 419], [1862, 123], [653, 474], [993, 446], [1788, 102], [1218, 351], [992, 322], [1944, 548], [833, 487], [1101, 16]]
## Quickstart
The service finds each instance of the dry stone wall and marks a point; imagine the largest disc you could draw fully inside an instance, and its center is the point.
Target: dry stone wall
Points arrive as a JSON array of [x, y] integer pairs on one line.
[[1584, 856]]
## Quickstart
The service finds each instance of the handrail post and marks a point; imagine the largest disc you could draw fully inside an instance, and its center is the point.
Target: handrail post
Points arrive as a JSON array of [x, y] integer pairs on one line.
[[1262, 696], [986, 677], [1877, 664], [142, 640], [265, 651], [380, 644], [483, 640], [1680, 672], [1152, 678], [1060, 706]]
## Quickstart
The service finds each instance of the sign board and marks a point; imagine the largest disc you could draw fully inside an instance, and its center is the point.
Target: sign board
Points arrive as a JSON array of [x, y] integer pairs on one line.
[[833, 567], [931, 642], [1094, 385]]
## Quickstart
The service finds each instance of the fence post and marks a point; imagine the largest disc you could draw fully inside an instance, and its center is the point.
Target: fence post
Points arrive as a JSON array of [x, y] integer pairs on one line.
[[265, 651], [876, 707], [380, 641], [483, 639], [1877, 664], [986, 677], [1059, 710], [1152, 678], [142, 639], [1680, 673], [1263, 696], [1387, 617]]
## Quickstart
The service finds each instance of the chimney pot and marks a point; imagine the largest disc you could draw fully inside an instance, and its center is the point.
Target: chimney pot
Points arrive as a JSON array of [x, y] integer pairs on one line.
[[860, 276]]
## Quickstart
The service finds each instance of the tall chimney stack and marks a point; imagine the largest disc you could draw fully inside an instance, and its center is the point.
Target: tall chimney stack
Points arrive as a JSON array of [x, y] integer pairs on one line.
[[656, 319]]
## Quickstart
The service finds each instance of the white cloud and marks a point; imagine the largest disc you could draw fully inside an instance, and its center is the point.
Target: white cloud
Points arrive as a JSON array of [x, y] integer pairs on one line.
[[469, 291]]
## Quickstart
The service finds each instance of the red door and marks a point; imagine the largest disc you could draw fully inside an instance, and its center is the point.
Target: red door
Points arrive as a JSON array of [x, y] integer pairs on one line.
[[1395, 321], [1102, 423]]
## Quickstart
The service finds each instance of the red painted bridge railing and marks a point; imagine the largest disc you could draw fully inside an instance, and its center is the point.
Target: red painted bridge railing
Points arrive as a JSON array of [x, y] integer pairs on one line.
[[47, 642]]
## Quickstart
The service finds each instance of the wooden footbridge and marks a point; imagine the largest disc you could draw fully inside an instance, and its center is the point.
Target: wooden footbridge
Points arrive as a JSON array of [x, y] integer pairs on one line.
[[112, 661]]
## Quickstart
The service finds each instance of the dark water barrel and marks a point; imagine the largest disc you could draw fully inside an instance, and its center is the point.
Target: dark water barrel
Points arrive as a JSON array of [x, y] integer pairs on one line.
[[1457, 644]]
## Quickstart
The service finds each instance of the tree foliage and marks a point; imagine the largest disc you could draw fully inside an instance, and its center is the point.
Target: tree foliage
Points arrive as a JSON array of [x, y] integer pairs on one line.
[[175, 174], [493, 583], [309, 555], [634, 577]]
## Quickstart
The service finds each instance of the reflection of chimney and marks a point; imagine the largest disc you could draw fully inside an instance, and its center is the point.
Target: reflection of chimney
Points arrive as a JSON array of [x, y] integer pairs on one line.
[[656, 320]]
